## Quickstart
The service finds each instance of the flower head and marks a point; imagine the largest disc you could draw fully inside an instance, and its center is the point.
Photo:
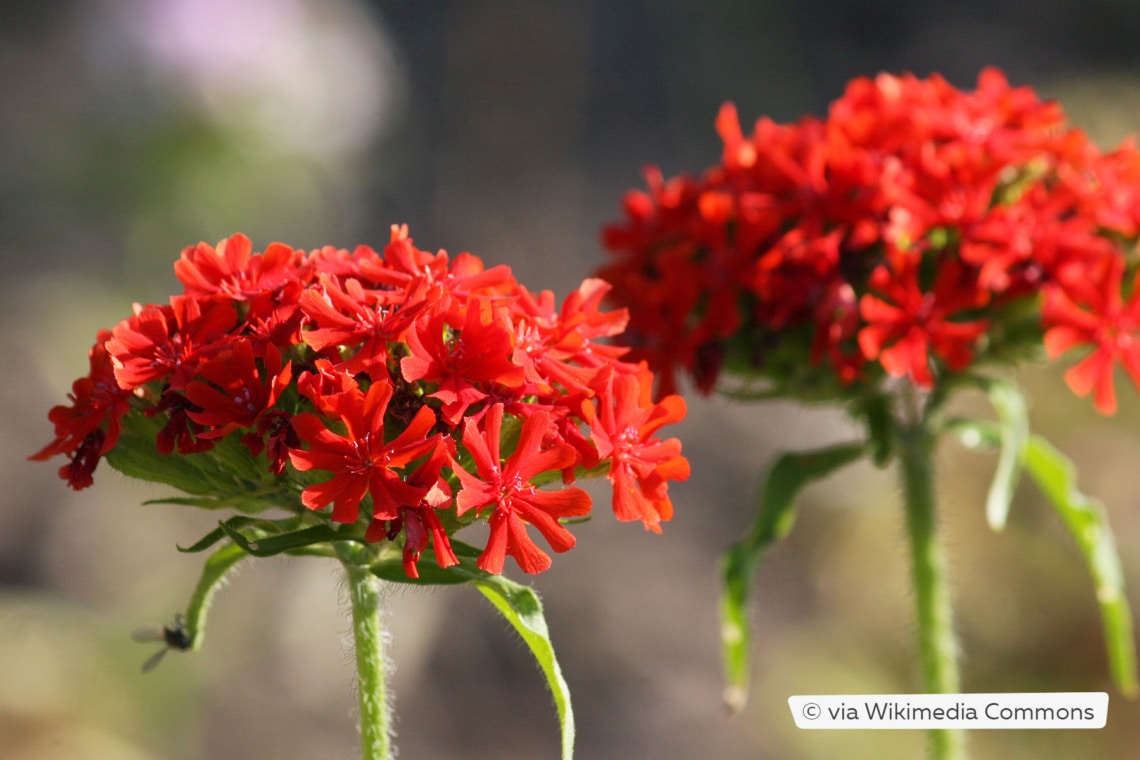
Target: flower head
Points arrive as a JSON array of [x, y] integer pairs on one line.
[[399, 397], [903, 235]]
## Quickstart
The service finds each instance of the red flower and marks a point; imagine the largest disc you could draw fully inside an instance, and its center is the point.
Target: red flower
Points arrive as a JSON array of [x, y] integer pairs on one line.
[[368, 321], [403, 263], [464, 363], [276, 435], [837, 320], [360, 460], [230, 272], [514, 501], [1102, 319], [906, 325], [232, 393], [274, 318], [90, 426], [640, 465], [167, 342], [419, 522], [560, 346], [405, 266], [323, 385], [180, 432]]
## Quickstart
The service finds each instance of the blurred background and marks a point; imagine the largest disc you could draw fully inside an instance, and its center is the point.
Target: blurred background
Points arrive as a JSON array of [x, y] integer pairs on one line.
[[510, 128]]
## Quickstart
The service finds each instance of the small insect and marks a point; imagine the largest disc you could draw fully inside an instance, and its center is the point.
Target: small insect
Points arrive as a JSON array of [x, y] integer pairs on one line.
[[171, 636]]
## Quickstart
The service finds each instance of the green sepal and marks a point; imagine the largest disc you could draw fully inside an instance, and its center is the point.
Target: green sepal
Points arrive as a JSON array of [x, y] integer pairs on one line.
[[1086, 520], [774, 518], [518, 604]]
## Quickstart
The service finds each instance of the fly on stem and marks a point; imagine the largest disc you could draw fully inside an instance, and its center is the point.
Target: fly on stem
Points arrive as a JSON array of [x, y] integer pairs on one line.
[[171, 636]]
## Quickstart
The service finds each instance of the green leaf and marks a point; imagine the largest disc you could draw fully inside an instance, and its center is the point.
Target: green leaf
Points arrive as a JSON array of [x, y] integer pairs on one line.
[[1013, 430], [517, 603], [263, 528], [216, 535], [136, 457], [225, 477], [774, 517], [272, 545], [520, 606], [251, 503], [875, 409], [1087, 522], [214, 572]]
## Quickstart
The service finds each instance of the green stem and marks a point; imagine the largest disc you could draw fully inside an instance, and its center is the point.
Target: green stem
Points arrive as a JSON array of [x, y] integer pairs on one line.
[[937, 647], [368, 637]]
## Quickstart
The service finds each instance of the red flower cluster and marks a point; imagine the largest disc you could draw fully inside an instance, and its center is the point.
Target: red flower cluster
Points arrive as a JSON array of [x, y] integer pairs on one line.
[[407, 382], [900, 235]]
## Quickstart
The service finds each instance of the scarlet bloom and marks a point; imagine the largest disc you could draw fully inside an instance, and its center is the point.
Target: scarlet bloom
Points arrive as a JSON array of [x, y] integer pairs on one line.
[[168, 342], [361, 461], [420, 522], [464, 359], [906, 328], [90, 426], [232, 392], [323, 385], [404, 267], [1103, 320], [368, 320], [231, 272], [180, 433], [641, 466], [562, 345], [505, 488]]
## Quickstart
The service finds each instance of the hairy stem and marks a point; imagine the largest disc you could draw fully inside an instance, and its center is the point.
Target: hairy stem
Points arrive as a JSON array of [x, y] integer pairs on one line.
[[368, 638], [938, 649]]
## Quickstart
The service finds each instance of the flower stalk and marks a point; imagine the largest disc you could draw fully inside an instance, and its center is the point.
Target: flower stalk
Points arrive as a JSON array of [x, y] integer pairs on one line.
[[938, 649], [364, 594]]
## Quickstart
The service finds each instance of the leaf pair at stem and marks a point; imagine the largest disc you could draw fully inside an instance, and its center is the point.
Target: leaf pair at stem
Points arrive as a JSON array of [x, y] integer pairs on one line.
[[243, 536]]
